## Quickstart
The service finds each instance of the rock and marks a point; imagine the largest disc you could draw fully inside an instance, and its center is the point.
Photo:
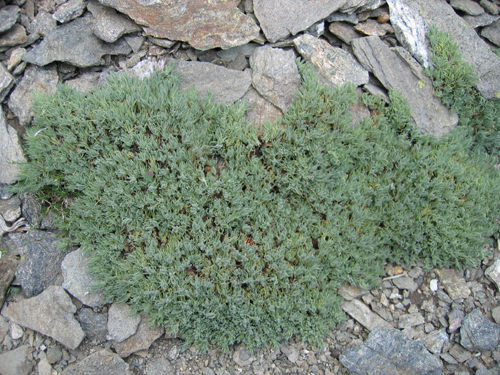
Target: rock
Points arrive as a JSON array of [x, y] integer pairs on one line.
[[455, 319], [396, 71], [495, 314], [435, 340], [75, 44], [478, 333], [40, 266], [489, 6], [8, 17], [492, 33], [493, 273], [16, 331], [50, 313], [69, 10], [8, 266], [455, 285], [226, 85], [362, 313], [405, 283], [259, 110], [460, 354], [344, 32], [473, 49], [372, 27], [135, 42], [10, 209], [275, 75], [345, 17], [230, 54], [10, 151], [108, 25], [279, 19], [35, 79], [291, 352], [54, 355], [159, 365], [359, 6], [389, 351], [94, 325], [242, 357], [31, 209], [15, 58], [14, 362], [44, 367], [410, 320], [121, 323], [204, 25], [480, 21], [78, 281], [349, 292], [85, 83], [467, 6], [6, 83], [141, 340], [16, 35], [42, 24], [101, 362], [335, 65]]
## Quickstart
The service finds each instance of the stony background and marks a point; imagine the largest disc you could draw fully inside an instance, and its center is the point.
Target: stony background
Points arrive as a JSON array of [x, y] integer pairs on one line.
[[441, 321]]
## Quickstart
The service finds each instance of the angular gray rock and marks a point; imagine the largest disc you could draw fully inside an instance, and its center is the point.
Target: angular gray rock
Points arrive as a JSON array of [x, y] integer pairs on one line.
[[8, 17], [85, 83], [75, 44], [335, 65], [405, 283], [8, 266], [259, 110], [362, 313], [492, 33], [51, 314], [344, 31], [493, 273], [35, 79], [280, 18], [6, 82], [102, 362], [453, 283], [372, 27], [275, 75], [141, 340], [473, 49], [410, 320], [393, 71], [468, 6], [10, 152], [359, 6], [93, 324], [16, 35], [15, 362], [226, 85], [484, 19], [478, 333], [77, 280], [10, 208], [42, 24], [203, 24], [159, 365], [121, 323], [390, 352], [108, 25], [40, 266], [435, 340], [69, 10]]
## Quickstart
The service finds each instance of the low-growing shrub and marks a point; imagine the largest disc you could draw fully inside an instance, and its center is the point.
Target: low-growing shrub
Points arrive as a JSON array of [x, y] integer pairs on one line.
[[228, 237]]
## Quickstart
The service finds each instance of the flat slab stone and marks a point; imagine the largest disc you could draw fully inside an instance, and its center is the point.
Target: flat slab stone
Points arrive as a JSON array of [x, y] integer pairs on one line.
[[468, 6], [102, 362], [10, 152], [69, 10], [410, 320], [455, 285], [275, 75], [16, 35], [141, 340], [75, 44], [226, 85], [478, 333], [93, 324], [259, 110], [484, 19], [6, 82], [492, 33], [280, 18], [51, 314], [334, 64], [8, 17], [362, 313], [35, 79], [390, 352], [14, 362], [473, 49], [121, 323], [78, 281], [397, 72], [40, 266], [203, 24], [108, 24], [8, 266], [493, 273]]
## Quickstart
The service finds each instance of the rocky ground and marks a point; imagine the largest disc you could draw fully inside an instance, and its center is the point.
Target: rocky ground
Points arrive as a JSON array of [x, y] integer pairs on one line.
[[441, 321]]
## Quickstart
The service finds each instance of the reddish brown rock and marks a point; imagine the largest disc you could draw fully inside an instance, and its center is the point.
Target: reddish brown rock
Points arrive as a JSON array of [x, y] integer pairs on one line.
[[203, 24]]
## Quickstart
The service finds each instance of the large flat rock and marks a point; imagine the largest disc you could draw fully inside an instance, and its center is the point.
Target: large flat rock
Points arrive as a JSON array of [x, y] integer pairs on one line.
[[474, 50], [203, 24], [398, 71], [75, 44], [51, 314], [10, 152], [280, 18]]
